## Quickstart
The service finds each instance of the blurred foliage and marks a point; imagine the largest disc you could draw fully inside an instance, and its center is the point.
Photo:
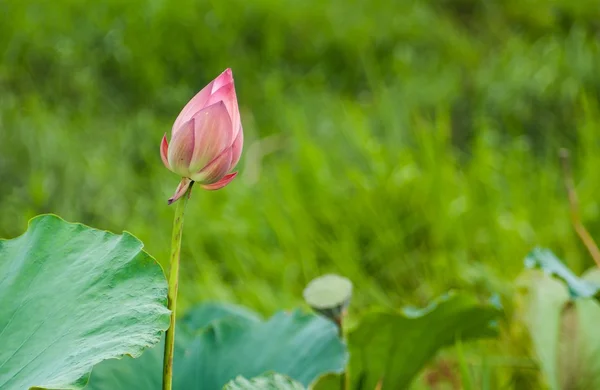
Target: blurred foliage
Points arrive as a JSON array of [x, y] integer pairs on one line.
[[409, 145], [229, 343], [392, 347]]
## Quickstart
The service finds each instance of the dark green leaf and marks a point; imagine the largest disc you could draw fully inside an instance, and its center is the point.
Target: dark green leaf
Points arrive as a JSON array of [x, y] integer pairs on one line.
[[328, 382], [396, 345]]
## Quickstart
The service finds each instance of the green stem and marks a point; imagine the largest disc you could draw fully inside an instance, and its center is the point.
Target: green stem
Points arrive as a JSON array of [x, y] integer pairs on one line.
[[173, 287], [345, 378]]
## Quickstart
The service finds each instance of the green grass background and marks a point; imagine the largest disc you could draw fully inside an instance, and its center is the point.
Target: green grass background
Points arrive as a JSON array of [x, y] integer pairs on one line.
[[408, 145]]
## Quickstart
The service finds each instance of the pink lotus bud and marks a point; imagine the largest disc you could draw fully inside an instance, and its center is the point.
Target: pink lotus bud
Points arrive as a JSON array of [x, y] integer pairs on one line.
[[207, 138]]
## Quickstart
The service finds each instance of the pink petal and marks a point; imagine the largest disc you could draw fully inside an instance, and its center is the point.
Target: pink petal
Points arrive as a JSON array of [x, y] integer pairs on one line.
[[181, 149], [181, 189], [164, 150], [215, 170], [227, 95], [226, 77], [198, 102], [236, 148], [221, 183], [213, 134]]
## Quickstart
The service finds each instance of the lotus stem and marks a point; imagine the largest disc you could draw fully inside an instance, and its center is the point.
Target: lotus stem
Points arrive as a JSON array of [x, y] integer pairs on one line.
[[345, 378], [584, 235], [173, 288]]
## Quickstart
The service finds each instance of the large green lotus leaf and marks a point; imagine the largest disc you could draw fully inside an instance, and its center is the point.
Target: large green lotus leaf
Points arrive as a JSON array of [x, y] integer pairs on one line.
[[142, 373], [70, 297], [301, 346], [396, 345], [264, 382], [202, 315], [145, 372]]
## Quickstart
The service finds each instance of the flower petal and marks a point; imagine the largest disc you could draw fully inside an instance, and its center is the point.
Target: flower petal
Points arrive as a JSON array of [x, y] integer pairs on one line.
[[221, 183], [198, 102], [213, 134], [227, 95], [226, 77], [181, 189], [181, 149], [164, 150], [236, 148], [215, 170]]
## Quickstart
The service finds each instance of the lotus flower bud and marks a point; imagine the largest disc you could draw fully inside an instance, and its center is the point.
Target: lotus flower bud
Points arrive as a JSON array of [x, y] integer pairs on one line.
[[206, 139]]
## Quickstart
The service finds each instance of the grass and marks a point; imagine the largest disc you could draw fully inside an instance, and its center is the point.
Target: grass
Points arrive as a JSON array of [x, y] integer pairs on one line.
[[410, 146]]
